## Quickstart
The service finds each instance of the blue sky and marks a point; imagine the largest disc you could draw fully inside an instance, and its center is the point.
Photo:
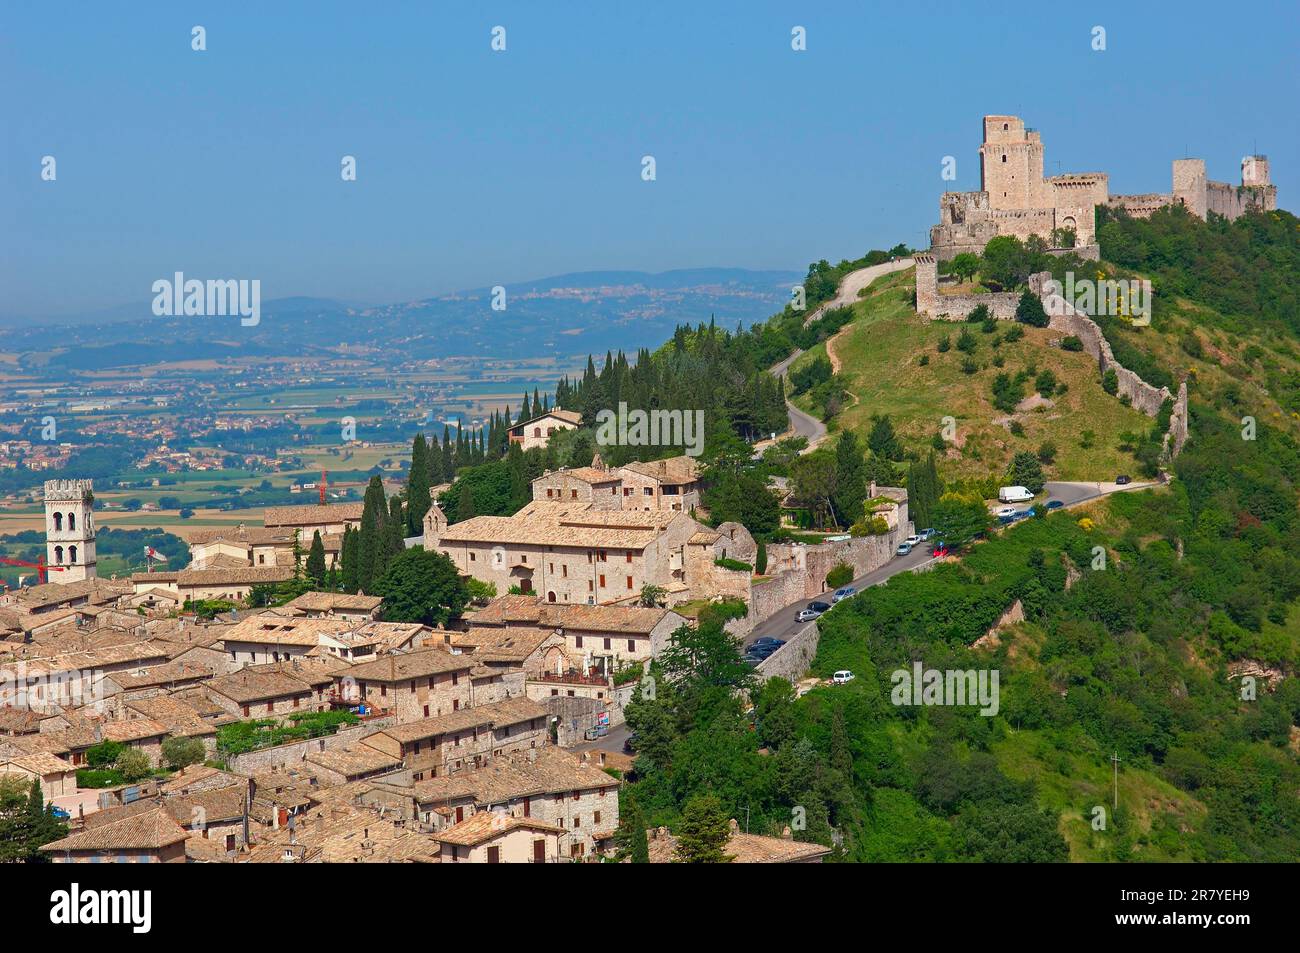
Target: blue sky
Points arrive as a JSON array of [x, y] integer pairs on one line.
[[477, 168]]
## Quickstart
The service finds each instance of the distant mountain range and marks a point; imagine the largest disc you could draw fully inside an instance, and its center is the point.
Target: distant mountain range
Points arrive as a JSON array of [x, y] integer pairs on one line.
[[586, 312]]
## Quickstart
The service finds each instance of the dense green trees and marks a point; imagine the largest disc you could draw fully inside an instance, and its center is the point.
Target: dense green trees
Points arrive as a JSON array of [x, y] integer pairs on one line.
[[422, 586], [26, 823]]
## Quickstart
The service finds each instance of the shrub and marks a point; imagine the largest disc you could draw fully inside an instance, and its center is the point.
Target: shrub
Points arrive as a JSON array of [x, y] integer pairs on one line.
[[1071, 343], [839, 576], [1110, 382], [180, 753], [735, 564], [944, 344], [1029, 310]]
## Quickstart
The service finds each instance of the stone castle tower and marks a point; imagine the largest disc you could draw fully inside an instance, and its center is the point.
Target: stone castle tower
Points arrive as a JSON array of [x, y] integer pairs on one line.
[[70, 529]]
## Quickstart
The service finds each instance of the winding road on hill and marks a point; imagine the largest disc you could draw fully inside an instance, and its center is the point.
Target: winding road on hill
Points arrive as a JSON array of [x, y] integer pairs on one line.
[[803, 424]]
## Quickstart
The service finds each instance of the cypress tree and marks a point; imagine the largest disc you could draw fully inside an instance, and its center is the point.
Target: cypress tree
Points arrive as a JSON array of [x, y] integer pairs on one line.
[[349, 555], [417, 486], [316, 561], [373, 544]]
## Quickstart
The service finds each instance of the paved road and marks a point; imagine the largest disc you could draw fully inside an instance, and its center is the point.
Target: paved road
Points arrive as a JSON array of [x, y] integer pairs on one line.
[[611, 742], [855, 281], [782, 625], [803, 424]]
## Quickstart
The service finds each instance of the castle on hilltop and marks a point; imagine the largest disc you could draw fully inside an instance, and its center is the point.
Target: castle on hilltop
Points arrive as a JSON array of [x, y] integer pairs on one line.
[[1016, 199], [70, 530]]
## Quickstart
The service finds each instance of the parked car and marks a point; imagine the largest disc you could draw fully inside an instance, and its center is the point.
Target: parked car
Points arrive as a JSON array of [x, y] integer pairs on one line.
[[820, 606], [61, 813], [1054, 504], [806, 615], [1123, 479], [1014, 494], [927, 535], [904, 548], [767, 640], [843, 593], [843, 677], [912, 540], [760, 652], [629, 745], [1004, 511]]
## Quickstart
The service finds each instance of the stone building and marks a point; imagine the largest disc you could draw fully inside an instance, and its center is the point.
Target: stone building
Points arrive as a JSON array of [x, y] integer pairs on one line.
[[568, 553], [70, 530], [1015, 198], [1200, 196], [671, 484], [546, 785], [411, 685], [537, 432]]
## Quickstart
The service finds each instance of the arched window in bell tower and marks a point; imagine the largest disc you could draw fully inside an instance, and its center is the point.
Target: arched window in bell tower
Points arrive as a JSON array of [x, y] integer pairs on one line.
[[72, 521], [58, 555], [72, 554], [58, 522]]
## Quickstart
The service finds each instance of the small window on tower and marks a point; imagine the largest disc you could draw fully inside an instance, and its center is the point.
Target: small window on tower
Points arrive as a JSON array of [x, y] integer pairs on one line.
[[72, 521]]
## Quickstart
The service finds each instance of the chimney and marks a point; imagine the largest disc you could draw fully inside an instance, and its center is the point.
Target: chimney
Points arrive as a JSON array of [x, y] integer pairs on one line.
[[871, 494]]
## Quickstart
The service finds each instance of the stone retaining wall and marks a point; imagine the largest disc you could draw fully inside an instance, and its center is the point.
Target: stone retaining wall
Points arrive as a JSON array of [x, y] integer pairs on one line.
[[794, 658], [286, 755]]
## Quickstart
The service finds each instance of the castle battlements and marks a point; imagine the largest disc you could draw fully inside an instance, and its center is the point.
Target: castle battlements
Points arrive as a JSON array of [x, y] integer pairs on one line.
[[69, 491], [1015, 198]]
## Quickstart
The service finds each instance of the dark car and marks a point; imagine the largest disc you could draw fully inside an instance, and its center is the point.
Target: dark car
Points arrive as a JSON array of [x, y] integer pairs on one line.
[[820, 606], [1123, 479], [629, 745], [767, 640], [1054, 504]]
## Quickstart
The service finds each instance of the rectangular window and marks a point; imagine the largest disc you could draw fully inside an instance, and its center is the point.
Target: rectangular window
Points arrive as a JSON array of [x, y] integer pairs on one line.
[[602, 580], [577, 641], [607, 645], [629, 582], [631, 645]]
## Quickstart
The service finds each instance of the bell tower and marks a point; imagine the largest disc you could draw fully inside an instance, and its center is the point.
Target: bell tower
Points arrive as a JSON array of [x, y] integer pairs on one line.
[[70, 529]]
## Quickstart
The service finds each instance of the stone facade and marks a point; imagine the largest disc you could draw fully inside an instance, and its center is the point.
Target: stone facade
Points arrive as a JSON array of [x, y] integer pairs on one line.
[[1192, 189], [70, 530], [1014, 197]]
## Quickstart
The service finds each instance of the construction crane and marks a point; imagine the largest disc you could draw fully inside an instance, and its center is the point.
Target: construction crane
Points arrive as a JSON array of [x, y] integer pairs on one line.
[[41, 567]]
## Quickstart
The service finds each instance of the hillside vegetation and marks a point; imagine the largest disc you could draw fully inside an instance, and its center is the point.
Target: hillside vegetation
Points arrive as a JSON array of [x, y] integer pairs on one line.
[[881, 354]]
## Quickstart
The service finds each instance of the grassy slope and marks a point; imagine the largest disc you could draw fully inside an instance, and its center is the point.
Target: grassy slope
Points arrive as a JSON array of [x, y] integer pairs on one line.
[[881, 348]]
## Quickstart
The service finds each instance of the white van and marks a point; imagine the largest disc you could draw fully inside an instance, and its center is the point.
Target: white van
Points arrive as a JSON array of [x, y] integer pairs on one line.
[[1014, 494]]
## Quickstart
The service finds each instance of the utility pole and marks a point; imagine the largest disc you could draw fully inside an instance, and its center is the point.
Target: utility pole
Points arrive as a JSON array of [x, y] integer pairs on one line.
[[1115, 761]]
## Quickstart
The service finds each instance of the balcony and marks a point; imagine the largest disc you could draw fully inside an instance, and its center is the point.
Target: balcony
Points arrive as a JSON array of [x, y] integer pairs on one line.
[[572, 678]]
